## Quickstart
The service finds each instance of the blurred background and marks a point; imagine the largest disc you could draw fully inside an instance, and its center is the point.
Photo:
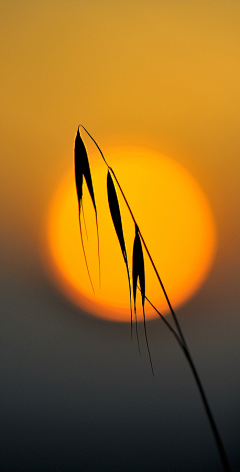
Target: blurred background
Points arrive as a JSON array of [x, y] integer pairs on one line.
[[165, 75]]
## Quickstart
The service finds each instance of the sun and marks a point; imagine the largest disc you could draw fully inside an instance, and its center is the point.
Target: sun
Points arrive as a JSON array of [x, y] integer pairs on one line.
[[173, 215]]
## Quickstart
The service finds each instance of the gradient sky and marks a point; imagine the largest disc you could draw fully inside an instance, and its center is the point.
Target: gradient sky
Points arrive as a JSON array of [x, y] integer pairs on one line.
[[165, 75]]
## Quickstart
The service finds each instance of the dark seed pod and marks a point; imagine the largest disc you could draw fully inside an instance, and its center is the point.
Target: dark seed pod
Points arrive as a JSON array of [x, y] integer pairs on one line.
[[117, 221], [82, 169]]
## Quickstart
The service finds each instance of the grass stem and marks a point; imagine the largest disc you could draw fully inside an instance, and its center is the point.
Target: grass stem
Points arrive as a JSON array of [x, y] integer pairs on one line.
[[177, 334], [184, 347]]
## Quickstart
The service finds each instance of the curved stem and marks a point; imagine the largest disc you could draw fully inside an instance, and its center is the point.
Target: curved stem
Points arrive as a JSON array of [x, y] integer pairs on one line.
[[166, 322], [179, 337], [151, 260], [221, 449]]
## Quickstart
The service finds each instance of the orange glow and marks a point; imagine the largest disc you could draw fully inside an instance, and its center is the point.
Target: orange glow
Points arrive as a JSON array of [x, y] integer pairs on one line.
[[175, 220]]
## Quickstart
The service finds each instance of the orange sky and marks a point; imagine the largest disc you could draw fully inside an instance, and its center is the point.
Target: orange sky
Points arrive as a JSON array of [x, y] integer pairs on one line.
[[163, 75]]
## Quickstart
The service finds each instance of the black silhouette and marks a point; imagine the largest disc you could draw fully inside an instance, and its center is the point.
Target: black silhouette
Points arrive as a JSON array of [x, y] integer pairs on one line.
[[82, 169]]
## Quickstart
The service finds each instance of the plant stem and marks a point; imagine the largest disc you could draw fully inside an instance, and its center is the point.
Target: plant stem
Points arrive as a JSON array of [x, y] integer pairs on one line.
[[179, 337], [151, 260], [221, 449], [166, 322], [184, 347]]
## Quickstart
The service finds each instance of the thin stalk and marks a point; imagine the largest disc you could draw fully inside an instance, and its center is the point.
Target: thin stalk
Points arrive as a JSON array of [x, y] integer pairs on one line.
[[151, 260], [166, 323], [221, 449], [180, 337], [219, 443]]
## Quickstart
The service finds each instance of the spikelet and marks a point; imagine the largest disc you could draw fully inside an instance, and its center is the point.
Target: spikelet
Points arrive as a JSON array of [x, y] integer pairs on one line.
[[82, 169], [117, 221]]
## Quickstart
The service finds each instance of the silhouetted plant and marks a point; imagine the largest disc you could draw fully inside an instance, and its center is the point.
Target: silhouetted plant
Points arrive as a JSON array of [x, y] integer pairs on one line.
[[82, 169]]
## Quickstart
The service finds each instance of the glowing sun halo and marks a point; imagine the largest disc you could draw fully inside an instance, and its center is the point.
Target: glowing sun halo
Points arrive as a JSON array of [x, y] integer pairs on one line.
[[175, 220]]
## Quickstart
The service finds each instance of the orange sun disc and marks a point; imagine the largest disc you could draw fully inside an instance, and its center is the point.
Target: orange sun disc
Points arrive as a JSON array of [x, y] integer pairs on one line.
[[174, 218]]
